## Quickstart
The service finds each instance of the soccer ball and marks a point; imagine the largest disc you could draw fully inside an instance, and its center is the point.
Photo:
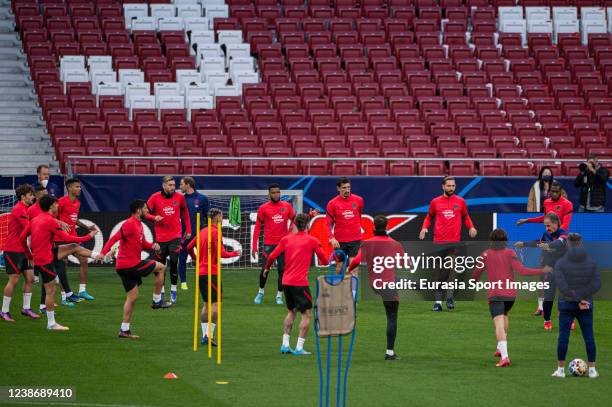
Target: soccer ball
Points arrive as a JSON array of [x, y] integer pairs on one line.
[[577, 367]]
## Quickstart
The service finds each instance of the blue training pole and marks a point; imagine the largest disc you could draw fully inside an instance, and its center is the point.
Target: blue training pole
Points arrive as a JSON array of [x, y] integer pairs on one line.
[[316, 318], [339, 388], [350, 352], [328, 370]]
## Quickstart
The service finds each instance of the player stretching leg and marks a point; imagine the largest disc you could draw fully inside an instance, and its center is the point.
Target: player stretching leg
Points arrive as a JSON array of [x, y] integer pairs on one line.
[[274, 216], [167, 207], [131, 268], [16, 262], [500, 263], [344, 214], [45, 229], [298, 250], [449, 210], [216, 217]]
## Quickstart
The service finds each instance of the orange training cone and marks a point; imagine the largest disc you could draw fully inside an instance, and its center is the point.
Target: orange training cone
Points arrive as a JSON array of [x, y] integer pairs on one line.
[[170, 376]]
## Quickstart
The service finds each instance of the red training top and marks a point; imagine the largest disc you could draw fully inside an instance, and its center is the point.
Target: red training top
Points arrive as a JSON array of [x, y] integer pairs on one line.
[[203, 249], [132, 242], [298, 250], [448, 211], [377, 246], [171, 209], [563, 207], [18, 221], [44, 229], [345, 215], [34, 210], [68, 212], [273, 216], [500, 266]]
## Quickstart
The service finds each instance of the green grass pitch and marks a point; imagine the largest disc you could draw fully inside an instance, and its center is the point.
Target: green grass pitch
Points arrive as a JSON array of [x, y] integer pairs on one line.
[[447, 358]]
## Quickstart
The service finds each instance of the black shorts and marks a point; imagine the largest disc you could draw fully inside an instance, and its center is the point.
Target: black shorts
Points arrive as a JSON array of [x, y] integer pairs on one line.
[[298, 297], [280, 260], [500, 306], [132, 277], [350, 248], [214, 296], [16, 263], [47, 272], [170, 248]]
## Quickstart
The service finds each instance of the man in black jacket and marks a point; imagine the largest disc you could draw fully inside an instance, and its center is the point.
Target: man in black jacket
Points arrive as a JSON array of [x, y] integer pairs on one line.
[[592, 183], [577, 280]]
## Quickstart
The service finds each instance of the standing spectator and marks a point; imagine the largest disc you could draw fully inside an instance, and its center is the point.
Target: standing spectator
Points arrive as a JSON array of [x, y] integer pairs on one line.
[[577, 279], [592, 183], [42, 172], [196, 202], [540, 190]]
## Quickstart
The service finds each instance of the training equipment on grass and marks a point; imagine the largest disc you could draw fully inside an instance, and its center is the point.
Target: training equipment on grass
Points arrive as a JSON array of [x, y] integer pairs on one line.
[[209, 255], [577, 367], [170, 376], [335, 314]]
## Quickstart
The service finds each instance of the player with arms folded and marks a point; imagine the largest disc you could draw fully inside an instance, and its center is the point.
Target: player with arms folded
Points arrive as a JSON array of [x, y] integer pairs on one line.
[[298, 249], [167, 207], [68, 208], [130, 266]]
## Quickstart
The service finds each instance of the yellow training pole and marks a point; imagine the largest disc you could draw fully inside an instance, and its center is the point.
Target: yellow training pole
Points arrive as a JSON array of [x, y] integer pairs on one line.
[[197, 286], [219, 243], [209, 302]]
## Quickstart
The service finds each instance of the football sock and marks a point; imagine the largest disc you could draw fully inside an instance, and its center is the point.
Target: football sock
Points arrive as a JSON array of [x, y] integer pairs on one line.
[[6, 304], [173, 288], [156, 297], [503, 348], [50, 318], [125, 326], [261, 291], [82, 287], [204, 329], [286, 340], [540, 302], [27, 299], [300, 344]]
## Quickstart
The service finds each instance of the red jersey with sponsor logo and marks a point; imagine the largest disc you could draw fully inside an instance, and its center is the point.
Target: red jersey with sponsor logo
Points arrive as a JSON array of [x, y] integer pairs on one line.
[[171, 209], [45, 229], [68, 212], [449, 212], [18, 221], [500, 266], [34, 210], [131, 243], [298, 249], [563, 207], [345, 215], [203, 249], [273, 216], [378, 246]]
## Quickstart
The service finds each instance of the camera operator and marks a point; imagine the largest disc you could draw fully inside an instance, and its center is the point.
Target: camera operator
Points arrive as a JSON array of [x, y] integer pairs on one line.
[[592, 183]]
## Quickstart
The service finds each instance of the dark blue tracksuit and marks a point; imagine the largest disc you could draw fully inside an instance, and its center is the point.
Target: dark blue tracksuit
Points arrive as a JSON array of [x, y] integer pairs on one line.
[[557, 242], [196, 202], [577, 280]]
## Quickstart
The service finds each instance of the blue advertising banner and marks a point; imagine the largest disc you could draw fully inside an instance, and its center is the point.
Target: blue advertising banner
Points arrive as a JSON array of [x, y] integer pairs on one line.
[[381, 194]]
